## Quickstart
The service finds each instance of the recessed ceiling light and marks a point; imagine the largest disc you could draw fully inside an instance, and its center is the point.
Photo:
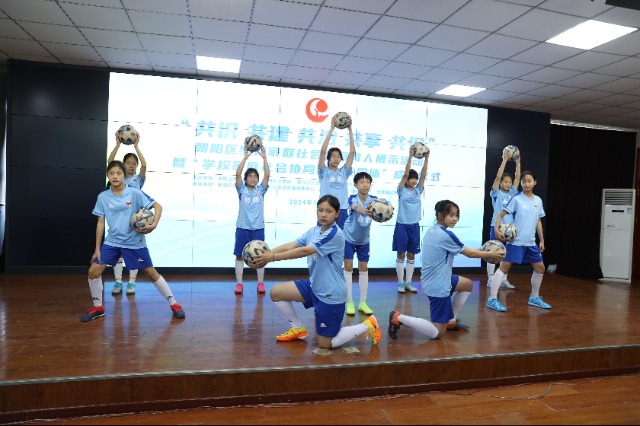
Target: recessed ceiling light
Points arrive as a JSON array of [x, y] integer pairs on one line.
[[208, 63], [460, 90], [590, 34]]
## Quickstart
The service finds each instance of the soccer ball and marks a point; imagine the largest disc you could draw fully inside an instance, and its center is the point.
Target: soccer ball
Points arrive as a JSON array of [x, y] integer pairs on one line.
[[127, 134], [141, 218], [341, 120], [421, 150], [253, 143], [509, 231], [492, 245], [381, 210], [253, 248], [513, 151]]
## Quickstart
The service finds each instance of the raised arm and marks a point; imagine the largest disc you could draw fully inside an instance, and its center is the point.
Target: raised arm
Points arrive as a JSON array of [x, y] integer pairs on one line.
[[516, 178], [112, 156], [267, 173], [143, 162], [405, 176], [241, 168], [352, 149], [423, 170], [325, 145], [496, 182]]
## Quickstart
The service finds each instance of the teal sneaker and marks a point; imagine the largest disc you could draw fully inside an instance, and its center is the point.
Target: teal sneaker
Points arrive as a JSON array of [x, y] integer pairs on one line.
[[538, 302], [131, 288], [401, 288], [410, 288], [117, 288], [495, 305]]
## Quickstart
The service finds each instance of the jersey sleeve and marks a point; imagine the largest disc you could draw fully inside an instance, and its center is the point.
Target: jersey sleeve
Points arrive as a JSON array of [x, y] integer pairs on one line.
[[328, 243]]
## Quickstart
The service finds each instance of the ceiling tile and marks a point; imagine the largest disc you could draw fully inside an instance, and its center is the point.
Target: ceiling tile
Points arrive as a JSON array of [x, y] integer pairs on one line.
[[494, 15], [499, 46], [161, 43], [425, 56], [620, 85], [233, 10], [329, 43], [519, 86], [452, 38], [54, 33], [385, 82], [620, 16], [399, 30], [309, 74], [69, 51], [266, 35], [345, 77], [492, 95], [219, 49], [276, 55], [215, 29], [316, 60], [396, 69], [42, 11], [285, 14], [106, 38], [442, 75], [584, 9], [10, 29], [162, 6], [588, 61], [546, 54], [622, 100], [378, 49], [425, 10], [586, 80], [345, 22], [160, 23], [24, 47], [174, 60], [549, 75], [97, 17], [623, 68], [511, 69], [250, 68], [378, 6], [628, 45], [529, 26], [553, 91], [122, 56], [586, 95], [483, 80], [363, 65], [472, 63]]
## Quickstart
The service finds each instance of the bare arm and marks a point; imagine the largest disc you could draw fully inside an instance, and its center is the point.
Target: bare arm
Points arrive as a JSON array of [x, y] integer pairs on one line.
[[325, 145], [405, 176], [112, 156], [99, 234], [476, 253], [496, 182], [143, 162], [267, 173], [496, 228], [423, 171], [516, 178], [157, 213], [284, 252], [540, 235], [352, 149], [240, 168]]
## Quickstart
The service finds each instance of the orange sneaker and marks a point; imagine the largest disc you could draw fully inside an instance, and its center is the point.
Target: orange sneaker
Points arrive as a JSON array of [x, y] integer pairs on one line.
[[374, 329], [293, 334]]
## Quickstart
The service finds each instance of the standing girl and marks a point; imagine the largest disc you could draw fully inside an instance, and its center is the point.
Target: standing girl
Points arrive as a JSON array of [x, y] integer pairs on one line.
[[504, 187], [333, 179], [137, 180], [325, 290], [250, 223], [527, 210], [406, 234], [447, 292], [116, 205]]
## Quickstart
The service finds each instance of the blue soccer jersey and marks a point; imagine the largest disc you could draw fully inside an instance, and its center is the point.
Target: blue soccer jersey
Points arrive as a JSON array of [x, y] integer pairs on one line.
[[358, 225], [526, 213], [136, 181], [439, 246], [325, 266], [335, 183], [251, 209], [409, 205], [499, 200], [117, 211]]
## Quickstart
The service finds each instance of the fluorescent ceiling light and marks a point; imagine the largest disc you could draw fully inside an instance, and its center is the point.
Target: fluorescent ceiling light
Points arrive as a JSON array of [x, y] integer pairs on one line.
[[208, 63], [460, 90], [590, 34]]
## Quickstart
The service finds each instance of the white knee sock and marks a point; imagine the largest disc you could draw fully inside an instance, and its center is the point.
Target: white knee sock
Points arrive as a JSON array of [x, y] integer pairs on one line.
[[400, 270], [536, 282], [132, 276], [117, 270], [288, 311], [421, 325], [348, 277], [491, 268], [239, 268], [164, 290], [260, 273], [95, 286], [363, 282], [348, 333], [457, 300], [495, 283], [409, 268]]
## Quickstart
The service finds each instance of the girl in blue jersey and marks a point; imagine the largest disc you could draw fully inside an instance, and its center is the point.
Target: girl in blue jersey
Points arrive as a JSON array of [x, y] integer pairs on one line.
[[356, 236], [447, 292], [325, 289], [250, 223], [406, 234], [527, 210], [137, 180], [501, 192], [116, 205], [333, 179]]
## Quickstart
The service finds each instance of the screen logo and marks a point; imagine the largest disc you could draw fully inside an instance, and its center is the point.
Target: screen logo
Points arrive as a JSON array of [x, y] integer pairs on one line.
[[316, 110]]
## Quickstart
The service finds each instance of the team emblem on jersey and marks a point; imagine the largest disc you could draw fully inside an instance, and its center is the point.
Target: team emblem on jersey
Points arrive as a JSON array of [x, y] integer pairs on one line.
[[129, 203]]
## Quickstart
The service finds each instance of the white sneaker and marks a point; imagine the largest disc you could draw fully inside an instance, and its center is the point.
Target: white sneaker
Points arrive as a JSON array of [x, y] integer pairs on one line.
[[410, 288], [400, 287], [507, 284]]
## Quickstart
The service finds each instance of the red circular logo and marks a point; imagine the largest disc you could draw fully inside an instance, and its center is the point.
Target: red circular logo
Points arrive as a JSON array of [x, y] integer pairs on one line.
[[316, 109]]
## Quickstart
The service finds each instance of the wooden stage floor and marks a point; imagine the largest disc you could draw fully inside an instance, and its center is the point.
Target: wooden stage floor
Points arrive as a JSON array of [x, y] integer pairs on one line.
[[224, 352]]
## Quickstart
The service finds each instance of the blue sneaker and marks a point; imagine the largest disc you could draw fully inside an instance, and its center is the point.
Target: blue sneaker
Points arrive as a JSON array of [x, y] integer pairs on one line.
[[538, 302], [131, 288], [495, 305], [117, 288]]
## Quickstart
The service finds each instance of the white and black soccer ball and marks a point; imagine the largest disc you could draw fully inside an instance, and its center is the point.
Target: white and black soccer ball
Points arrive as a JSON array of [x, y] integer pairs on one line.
[[127, 134], [513, 151], [341, 120], [509, 231], [141, 218], [381, 210], [251, 249], [492, 245], [421, 150], [253, 143]]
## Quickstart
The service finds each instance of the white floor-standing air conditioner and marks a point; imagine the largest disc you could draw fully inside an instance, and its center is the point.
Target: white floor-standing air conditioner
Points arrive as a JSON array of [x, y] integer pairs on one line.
[[616, 236]]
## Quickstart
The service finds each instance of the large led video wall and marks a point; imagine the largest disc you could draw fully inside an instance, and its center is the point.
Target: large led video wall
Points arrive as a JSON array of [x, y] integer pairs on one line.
[[192, 134]]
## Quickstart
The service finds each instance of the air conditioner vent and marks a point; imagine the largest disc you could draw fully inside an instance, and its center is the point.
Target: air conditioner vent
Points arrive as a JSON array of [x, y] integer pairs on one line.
[[618, 197]]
